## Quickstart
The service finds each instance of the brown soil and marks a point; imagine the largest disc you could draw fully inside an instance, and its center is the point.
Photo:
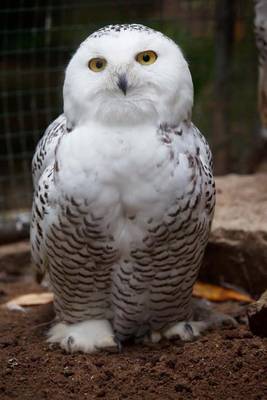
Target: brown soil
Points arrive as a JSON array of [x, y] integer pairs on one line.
[[228, 364]]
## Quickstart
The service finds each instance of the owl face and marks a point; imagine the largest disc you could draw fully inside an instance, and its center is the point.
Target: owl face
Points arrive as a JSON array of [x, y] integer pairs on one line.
[[124, 74]]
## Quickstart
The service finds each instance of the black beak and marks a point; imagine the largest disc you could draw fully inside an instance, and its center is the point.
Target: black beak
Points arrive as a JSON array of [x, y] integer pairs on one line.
[[122, 83]]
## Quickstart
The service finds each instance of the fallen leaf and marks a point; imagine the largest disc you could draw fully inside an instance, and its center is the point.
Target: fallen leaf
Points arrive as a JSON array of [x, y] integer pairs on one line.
[[31, 299], [218, 293]]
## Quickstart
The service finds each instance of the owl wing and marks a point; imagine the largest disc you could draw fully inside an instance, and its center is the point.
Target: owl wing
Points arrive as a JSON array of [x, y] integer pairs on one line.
[[42, 174], [40, 208], [165, 267], [45, 150]]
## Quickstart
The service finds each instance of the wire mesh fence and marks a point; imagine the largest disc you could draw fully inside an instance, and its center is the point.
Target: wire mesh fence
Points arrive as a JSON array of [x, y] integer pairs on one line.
[[38, 37]]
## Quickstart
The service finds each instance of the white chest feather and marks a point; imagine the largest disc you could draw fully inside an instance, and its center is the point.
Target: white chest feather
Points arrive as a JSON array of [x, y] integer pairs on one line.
[[127, 166], [128, 175]]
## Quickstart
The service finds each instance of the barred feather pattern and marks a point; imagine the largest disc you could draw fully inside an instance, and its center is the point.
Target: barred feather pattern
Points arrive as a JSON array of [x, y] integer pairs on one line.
[[149, 286], [154, 287], [45, 151]]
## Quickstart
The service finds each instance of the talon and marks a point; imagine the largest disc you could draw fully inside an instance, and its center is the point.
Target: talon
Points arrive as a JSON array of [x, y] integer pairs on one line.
[[118, 343], [189, 329], [70, 342], [52, 346]]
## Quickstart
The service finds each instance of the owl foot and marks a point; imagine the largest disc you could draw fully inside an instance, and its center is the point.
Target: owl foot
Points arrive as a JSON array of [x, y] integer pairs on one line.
[[87, 336], [203, 311], [186, 330], [204, 318]]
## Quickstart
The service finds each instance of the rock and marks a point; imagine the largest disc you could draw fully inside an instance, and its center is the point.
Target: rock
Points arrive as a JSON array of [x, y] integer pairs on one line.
[[237, 250], [257, 316]]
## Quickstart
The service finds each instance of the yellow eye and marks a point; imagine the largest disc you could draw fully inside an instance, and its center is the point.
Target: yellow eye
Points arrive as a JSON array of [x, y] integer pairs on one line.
[[97, 64], [147, 57]]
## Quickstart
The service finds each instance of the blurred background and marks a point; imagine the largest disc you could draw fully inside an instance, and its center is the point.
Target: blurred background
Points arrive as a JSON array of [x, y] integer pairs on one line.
[[38, 38]]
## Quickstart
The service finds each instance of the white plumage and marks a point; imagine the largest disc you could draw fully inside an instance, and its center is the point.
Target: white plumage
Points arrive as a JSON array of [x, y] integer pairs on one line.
[[124, 193]]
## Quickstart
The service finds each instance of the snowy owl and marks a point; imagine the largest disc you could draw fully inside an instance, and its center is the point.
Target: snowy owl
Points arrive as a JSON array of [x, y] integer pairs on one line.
[[124, 194]]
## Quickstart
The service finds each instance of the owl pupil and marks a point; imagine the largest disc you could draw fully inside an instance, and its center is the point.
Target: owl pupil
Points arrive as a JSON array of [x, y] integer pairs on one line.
[[146, 57], [99, 64]]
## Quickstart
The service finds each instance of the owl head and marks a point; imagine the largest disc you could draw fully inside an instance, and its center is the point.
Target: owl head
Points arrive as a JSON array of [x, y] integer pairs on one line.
[[125, 74]]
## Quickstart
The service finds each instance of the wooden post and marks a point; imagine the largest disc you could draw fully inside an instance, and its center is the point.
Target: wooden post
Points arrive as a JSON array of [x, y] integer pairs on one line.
[[224, 27], [261, 41]]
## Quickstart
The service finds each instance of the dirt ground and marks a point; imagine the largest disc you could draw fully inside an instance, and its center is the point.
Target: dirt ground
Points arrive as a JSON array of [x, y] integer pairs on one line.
[[227, 364]]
